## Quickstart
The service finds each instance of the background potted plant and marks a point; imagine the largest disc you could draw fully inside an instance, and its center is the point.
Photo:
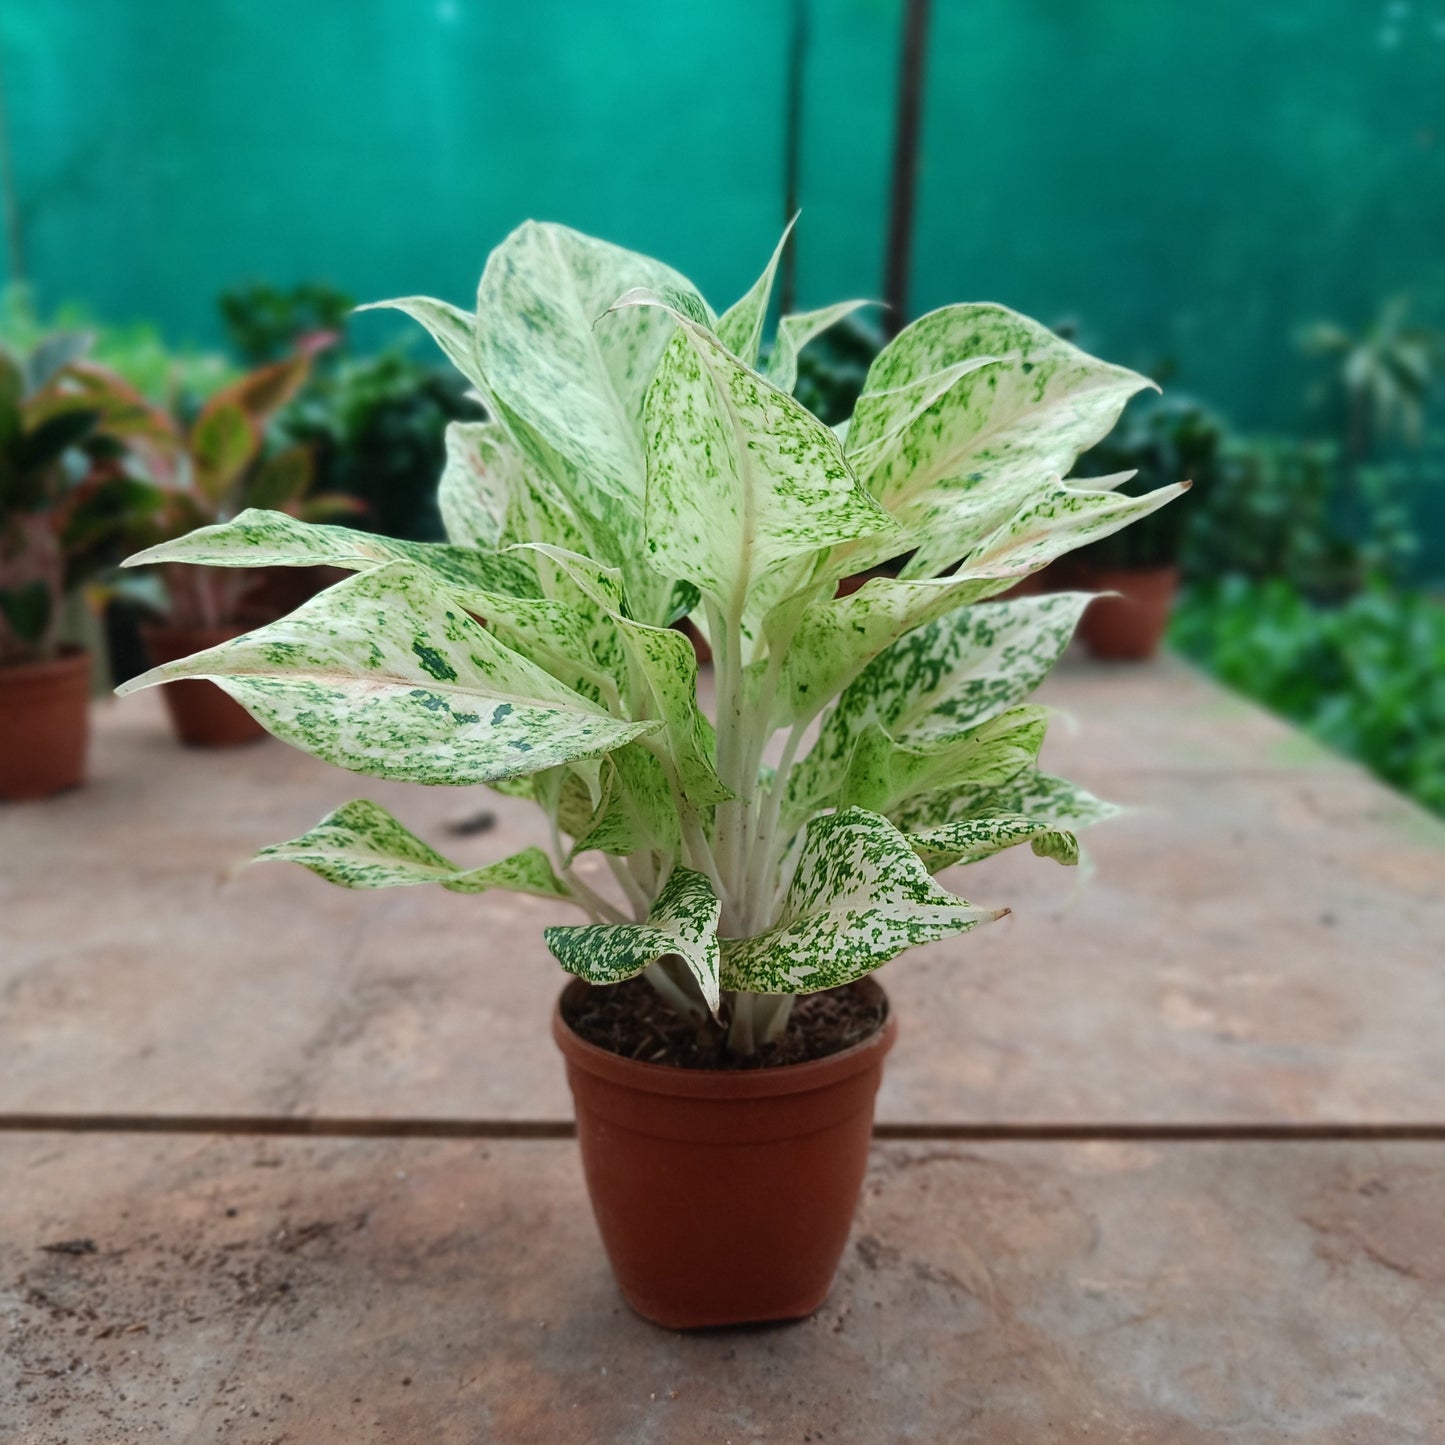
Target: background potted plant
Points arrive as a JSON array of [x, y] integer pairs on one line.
[[67, 495], [763, 858], [1138, 570], [214, 467]]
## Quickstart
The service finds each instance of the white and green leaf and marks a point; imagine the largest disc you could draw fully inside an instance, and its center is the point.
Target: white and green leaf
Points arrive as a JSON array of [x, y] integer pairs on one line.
[[860, 896], [361, 845], [683, 921], [964, 411], [740, 328], [259, 538], [742, 480], [795, 332], [386, 674]]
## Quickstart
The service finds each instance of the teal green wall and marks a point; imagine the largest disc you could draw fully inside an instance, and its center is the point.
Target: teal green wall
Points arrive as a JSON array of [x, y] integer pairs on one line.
[[1184, 180]]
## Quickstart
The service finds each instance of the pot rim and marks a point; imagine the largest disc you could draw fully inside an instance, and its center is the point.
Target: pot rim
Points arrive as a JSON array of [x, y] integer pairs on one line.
[[723, 1083], [72, 658]]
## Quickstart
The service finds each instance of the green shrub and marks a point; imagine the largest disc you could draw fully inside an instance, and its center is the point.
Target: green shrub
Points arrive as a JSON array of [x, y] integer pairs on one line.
[[1366, 677]]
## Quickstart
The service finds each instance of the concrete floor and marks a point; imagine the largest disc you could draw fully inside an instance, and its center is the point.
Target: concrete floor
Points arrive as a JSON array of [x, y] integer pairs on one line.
[[1092, 1243]]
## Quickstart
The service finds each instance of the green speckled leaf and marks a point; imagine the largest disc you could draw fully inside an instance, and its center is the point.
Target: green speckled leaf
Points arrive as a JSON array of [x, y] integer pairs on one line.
[[451, 328], [960, 670], [839, 636], [795, 332], [883, 772], [742, 480], [859, 897], [257, 538], [683, 921], [1030, 794], [962, 414], [636, 812], [477, 482], [386, 674], [866, 767], [361, 845], [740, 328], [972, 839], [661, 679], [1054, 519], [577, 379]]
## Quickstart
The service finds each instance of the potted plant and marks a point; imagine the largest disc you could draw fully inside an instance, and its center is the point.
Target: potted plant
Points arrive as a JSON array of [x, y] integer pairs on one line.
[[1138, 570], [722, 1036], [66, 494], [214, 468]]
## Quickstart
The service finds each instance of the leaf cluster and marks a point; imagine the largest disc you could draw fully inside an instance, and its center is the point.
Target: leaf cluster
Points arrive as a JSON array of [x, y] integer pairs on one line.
[[639, 464]]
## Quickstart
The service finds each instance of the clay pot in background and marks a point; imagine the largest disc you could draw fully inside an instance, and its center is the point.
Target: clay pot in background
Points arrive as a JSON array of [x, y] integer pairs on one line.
[[203, 716], [44, 725], [1130, 627], [723, 1197]]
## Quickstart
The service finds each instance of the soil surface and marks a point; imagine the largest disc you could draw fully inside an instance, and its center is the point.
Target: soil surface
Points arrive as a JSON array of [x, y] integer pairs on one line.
[[632, 1020]]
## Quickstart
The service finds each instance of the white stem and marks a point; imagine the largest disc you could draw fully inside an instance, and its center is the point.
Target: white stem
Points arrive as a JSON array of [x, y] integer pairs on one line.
[[635, 896]]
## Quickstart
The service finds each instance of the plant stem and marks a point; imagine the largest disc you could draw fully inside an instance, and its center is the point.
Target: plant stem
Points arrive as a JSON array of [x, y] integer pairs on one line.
[[635, 896]]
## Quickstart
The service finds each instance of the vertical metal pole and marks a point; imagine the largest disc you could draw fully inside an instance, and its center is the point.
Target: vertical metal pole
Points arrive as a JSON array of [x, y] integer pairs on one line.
[[793, 149], [905, 165], [10, 197]]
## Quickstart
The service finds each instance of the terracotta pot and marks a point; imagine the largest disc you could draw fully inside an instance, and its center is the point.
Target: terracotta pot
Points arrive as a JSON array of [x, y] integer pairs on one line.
[[1131, 626], [723, 1197], [203, 716], [44, 725]]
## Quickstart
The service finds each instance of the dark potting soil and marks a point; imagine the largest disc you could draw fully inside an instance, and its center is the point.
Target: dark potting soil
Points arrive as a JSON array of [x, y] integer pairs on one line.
[[632, 1020]]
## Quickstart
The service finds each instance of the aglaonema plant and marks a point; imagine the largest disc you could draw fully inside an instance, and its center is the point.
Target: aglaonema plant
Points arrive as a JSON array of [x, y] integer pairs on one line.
[[641, 462]]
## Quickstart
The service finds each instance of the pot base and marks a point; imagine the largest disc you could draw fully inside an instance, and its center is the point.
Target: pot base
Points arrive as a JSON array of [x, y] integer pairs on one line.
[[44, 726], [1129, 627], [724, 1197]]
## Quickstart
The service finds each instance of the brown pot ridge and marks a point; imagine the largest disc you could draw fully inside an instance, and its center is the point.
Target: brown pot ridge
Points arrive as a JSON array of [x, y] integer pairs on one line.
[[44, 725], [1130, 627], [203, 716], [723, 1197]]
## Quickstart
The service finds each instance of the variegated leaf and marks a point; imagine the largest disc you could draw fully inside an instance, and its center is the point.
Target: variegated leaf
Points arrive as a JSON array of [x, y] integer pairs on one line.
[[361, 845], [860, 895], [839, 636], [636, 812], [477, 482], [972, 839], [868, 768], [683, 921], [386, 674], [955, 465], [1058, 517], [1030, 794], [663, 673], [577, 381], [795, 332], [740, 328], [956, 672], [258, 538], [883, 772], [454, 330], [742, 480]]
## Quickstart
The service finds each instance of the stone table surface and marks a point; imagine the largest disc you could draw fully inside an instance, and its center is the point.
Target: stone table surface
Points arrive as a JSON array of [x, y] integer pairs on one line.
[[1161, 1157]]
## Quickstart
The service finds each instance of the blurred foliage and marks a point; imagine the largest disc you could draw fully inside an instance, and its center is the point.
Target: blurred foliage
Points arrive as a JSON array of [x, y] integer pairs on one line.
[[137, 353], [374, 425], [70, 434], [1367, 677], [264, 323], [1279, 507], [1379, 379]]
